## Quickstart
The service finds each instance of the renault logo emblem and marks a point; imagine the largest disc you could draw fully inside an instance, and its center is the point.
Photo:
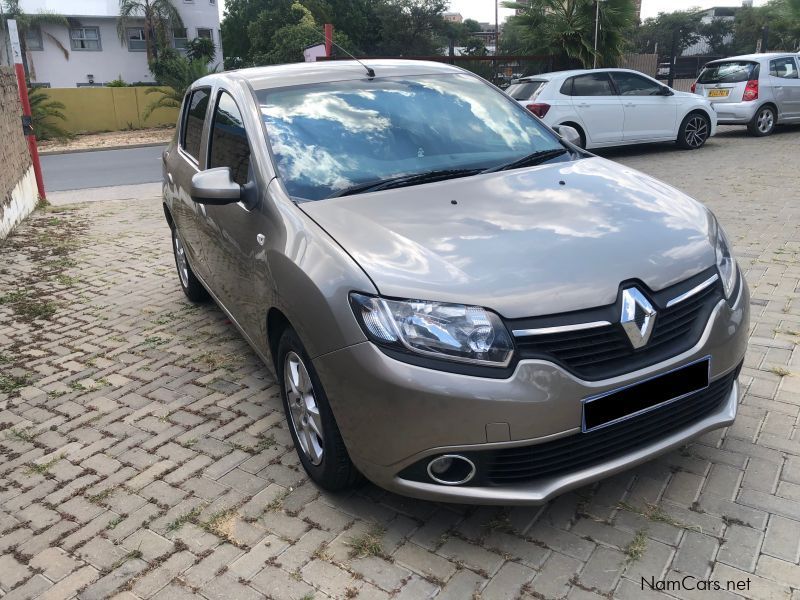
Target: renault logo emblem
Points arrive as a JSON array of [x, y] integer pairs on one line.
[[638, 317]]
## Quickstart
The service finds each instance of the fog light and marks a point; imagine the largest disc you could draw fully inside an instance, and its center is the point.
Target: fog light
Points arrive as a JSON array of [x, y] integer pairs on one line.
[[451, 469]]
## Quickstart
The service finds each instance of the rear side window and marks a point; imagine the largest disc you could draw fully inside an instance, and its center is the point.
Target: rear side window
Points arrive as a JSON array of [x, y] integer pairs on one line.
[[784, 68], [196, 109], [730, 71], [229, 146], [592, 84], [525, 90]]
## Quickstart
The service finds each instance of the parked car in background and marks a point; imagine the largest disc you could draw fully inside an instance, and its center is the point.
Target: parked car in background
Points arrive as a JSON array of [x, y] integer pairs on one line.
[[613, 107], [757, 90], [457, 303]]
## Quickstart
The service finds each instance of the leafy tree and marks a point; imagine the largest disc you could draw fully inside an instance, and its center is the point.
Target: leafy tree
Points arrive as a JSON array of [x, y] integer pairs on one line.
[[566, 28], [781, 16], [44, 113], [27, 22], [655, 34], [718, 36], [410, 27], [160, 19], [201, 49], [177, 73]]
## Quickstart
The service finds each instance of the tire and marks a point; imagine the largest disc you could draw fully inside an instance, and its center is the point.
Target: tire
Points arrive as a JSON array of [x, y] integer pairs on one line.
[[694, 131], [763, 122], [316, 436], [190, 285]]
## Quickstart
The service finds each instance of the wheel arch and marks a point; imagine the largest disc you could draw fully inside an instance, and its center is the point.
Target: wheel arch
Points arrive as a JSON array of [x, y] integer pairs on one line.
[[579, 128], [168, 215], [277, 323]]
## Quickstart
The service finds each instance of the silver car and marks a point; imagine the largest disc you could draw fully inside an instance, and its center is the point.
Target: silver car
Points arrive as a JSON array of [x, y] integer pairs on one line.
[[757, 90], [458, 304]]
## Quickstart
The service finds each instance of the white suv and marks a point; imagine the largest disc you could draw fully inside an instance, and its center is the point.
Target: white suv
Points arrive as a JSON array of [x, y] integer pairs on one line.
[[757, 90], [614, 107]]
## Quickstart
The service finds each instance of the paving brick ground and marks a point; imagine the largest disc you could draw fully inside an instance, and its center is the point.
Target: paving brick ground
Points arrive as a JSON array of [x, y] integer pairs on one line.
[[143, 452]]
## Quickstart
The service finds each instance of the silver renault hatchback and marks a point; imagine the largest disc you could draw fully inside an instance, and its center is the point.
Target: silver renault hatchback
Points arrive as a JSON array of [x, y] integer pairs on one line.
[[457, 303]]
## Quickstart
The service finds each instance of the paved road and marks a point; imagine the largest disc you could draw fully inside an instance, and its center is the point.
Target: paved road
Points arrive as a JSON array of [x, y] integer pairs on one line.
[[81, 170], [143, 447]]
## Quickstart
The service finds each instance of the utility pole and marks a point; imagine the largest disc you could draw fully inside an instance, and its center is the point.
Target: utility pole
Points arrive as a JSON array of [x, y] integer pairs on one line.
[[496, 37], [596, 31], [27, 125]]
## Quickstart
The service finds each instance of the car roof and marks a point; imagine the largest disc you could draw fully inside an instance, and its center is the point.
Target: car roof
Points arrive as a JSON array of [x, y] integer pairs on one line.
[[753, 57], [292, 74], [555, 75]]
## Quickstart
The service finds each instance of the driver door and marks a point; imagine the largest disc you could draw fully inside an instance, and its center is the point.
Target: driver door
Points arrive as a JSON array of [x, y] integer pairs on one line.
[[649, 114]]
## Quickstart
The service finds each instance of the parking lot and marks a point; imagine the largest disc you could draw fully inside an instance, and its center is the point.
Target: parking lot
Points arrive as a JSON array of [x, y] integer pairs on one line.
[[143, 450]]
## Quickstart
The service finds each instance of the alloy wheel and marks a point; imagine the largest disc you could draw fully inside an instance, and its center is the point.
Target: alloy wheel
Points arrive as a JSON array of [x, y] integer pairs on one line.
[[303, 408], [765, 120], [183, 263], [696, 132]]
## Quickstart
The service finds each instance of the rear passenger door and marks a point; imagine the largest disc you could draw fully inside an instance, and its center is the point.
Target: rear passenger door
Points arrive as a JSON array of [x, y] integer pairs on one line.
[[597, 105], [181, 165], [649, 115], [783, 74]]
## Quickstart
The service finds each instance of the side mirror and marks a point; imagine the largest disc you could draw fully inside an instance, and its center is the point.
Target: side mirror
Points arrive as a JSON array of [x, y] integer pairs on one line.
[[215, 187], [666, 91], [569, 134]]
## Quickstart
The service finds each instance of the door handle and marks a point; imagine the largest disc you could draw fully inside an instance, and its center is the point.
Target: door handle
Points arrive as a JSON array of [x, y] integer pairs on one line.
[[630, 105], [583, 105], [260, 239]]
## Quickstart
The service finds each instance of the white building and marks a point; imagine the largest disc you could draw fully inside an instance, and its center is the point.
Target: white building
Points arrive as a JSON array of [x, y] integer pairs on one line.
[[95, 53]]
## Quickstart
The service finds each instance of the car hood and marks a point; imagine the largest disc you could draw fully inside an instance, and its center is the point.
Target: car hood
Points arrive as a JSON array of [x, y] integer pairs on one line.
[[527, 242]]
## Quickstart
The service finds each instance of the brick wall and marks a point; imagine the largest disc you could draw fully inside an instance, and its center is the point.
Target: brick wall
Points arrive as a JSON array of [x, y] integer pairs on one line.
[[17, 184]]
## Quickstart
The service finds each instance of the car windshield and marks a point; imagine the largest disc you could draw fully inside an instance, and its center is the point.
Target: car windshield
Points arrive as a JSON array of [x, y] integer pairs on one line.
[[732, 71], [329, 138], [524, 90]]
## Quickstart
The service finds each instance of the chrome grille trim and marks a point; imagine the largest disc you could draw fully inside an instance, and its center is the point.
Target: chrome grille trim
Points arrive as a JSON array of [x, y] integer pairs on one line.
[[559, 329], [696, 289]]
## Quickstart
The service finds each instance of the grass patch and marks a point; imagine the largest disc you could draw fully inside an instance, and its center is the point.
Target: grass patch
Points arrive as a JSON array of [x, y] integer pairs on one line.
[[22, 435], [189, 517], [13, 297], [11, 383], [500, 522], [101, 497], [114, 522], [219, 360], [277, 502], [635, 550], [154, 341], [130, 555], [780, 371], [221, 524], [367, 544], [4, 358], [656, 514], [41, 469], [67, 280]]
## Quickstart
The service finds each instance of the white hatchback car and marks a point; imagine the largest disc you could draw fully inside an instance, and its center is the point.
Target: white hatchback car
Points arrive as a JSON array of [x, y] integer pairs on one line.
[[613, 107]]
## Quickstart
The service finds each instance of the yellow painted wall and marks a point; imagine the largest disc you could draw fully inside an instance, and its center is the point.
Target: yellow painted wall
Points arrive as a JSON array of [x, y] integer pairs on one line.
[[89, 110]]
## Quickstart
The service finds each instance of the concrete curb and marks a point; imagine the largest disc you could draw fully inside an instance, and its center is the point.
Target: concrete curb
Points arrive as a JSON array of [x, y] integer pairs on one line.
[[76, 150]]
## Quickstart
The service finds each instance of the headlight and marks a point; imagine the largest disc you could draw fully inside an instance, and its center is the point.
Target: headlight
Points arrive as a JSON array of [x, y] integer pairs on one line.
[[726, 264], [448, 331]]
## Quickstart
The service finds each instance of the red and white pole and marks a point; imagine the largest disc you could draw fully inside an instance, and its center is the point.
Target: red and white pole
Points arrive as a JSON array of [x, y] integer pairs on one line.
[[328, 39], [16, 51]]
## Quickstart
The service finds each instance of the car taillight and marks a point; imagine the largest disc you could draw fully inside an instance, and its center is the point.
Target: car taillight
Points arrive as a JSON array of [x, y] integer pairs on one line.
[[751, 90], [539, 109], [694, 87]]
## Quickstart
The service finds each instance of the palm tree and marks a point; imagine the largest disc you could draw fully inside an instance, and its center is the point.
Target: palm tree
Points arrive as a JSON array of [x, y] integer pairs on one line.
[[176, 73], [160, 19], [27, 22], [44, 112], [567, 27]]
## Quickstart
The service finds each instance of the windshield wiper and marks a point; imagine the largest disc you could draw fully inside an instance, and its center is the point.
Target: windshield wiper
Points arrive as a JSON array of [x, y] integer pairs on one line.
[[533, 159], [404, 180]]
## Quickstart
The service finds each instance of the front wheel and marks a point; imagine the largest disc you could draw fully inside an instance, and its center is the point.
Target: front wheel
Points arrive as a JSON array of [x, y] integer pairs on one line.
[[313, 428], [763, 122], [190, 285], [694, 131]]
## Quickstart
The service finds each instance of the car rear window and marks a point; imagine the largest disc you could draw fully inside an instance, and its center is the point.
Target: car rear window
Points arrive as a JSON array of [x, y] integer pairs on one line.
[[730, 71], [525, 90]]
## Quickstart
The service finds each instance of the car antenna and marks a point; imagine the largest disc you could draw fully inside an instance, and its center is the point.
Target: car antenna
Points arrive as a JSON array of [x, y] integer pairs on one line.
[[370, 72]]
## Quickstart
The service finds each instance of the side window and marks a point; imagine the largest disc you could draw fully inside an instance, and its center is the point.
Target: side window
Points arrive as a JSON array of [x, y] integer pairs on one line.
[[630, 84], [193, 124], [229, 146], [566, 87], [592, 84], [784, 68]]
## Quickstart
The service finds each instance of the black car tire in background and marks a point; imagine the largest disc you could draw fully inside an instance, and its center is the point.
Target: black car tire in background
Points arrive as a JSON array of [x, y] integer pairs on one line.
[[694, 131]]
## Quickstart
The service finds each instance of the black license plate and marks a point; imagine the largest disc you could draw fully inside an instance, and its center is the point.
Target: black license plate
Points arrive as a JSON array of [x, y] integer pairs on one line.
[[616, 405]]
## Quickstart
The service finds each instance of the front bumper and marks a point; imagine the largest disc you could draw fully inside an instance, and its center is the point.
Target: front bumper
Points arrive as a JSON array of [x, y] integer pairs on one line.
[[735, 113], [392, 414]]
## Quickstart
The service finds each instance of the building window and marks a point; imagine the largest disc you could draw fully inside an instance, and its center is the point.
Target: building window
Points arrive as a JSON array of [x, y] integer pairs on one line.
[[33, 39], [136, 41], [212, 1], [205, 32], [85, 38], [179, 38]]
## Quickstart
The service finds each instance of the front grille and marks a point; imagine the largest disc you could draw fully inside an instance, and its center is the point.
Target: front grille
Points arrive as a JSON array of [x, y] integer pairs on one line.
[[603, 352], [576, 452]]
